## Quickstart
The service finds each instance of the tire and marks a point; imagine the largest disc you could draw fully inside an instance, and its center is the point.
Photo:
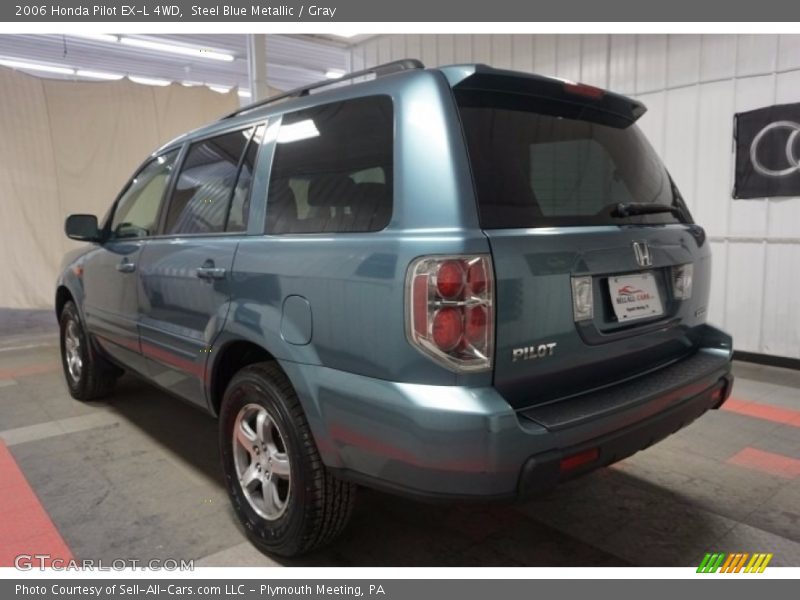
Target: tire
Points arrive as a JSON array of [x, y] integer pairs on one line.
[[88, 375], [291, 511]]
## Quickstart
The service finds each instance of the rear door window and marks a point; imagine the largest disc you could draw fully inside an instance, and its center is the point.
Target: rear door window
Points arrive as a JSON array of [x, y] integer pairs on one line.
[[535, 170], [333, 168], [206, 191]]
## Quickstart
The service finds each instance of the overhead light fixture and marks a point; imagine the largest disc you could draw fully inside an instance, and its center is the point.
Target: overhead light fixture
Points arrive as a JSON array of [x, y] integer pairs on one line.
[[193, 51], [98, 75], [149, 80], [334, 73], [220, 89], [98, 37], [191, 83], [244, 93], [32, 66]]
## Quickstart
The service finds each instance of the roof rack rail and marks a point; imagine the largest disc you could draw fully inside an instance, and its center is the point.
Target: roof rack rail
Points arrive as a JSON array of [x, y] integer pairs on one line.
[[378, 70]]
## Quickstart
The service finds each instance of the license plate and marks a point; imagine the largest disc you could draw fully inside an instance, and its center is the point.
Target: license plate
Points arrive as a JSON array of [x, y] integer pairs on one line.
[[635, 296]]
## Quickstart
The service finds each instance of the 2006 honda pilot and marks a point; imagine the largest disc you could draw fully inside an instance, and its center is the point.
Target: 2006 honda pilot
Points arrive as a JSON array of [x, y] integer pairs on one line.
[[451, 283]]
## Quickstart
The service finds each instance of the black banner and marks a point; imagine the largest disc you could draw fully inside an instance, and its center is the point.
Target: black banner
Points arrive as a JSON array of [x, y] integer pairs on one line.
[[768, 152]]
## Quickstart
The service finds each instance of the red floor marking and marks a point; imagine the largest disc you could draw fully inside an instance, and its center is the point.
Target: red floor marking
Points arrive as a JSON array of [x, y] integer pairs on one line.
[[29, 370], [25, 527], [777, 414], [775, 464]]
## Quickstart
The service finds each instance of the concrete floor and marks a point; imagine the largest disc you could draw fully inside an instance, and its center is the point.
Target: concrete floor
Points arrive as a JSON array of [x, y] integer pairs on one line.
[[137, 476]]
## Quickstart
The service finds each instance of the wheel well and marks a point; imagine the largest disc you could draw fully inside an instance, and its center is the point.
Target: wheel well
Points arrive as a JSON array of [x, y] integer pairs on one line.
[[235, 356], [63, 296]]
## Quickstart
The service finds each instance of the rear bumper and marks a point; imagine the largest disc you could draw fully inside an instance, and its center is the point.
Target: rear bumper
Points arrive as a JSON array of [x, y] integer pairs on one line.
[[440, 442], [543, 471]]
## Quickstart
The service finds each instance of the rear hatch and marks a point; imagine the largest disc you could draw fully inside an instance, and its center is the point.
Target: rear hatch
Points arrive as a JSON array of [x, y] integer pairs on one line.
[[600, 273]]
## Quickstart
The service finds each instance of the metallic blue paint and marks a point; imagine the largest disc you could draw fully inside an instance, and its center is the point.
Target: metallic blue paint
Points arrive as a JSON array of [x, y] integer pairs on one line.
[[297, 323], [180, 314], [330, 309]]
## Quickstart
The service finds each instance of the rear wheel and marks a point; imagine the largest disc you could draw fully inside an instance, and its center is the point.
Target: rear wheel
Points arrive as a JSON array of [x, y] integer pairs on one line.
[[88, 375], [288, 502]]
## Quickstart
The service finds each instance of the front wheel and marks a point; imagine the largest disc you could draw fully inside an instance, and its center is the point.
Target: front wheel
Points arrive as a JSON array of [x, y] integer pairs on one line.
[[288, 502], [88, 375]]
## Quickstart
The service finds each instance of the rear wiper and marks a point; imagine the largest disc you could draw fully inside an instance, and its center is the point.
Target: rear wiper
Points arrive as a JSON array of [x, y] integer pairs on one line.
[[628, 209]]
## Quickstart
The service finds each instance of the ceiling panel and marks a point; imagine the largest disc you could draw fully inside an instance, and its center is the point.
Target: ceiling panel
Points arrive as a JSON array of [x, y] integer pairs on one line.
[[292, 61]]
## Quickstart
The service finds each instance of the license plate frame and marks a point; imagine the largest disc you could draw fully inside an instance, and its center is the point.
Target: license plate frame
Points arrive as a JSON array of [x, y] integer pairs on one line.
[[635, 296]]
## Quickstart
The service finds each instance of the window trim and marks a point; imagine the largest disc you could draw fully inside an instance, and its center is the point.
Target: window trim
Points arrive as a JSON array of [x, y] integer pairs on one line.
[[277, 123], [187, 144], [250, 141], [162, 215]]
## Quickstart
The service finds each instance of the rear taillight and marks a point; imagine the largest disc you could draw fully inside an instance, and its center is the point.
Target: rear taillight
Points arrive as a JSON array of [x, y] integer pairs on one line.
[[450, 310]]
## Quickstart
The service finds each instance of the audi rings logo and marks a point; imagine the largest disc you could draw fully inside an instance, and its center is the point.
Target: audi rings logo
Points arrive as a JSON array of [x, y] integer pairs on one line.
[[792, 130], [767, 143]]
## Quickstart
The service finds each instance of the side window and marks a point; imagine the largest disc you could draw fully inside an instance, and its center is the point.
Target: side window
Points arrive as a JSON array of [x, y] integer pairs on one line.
[[240, 203], [136, 212], [202, 194], [333, 168]]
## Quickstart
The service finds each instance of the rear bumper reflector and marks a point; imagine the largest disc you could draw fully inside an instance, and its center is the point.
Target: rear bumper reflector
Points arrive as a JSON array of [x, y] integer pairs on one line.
[[578, 460]]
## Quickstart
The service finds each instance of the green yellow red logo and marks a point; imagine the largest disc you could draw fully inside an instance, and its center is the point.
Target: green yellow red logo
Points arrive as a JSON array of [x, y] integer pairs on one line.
[[738, 562]]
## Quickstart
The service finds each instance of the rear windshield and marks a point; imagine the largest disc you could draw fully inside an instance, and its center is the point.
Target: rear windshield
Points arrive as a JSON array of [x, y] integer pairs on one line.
[[544, 170]]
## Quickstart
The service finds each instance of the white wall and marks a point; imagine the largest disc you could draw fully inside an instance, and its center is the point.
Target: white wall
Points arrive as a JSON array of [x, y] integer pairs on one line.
[[69, 147], [692, 85]]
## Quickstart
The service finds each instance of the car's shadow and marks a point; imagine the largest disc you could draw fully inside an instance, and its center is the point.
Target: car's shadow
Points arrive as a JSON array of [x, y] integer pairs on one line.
[[580, 524], [155, 413]]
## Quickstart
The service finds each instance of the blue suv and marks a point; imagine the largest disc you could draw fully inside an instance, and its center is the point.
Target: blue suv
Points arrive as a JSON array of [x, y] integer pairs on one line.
[[450, 283]]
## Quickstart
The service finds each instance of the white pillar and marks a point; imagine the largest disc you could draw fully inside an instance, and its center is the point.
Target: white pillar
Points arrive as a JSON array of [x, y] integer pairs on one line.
[[257, 65]]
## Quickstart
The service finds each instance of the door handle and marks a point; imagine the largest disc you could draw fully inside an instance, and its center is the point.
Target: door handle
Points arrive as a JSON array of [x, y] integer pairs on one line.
[[210, 272], [126, 266]]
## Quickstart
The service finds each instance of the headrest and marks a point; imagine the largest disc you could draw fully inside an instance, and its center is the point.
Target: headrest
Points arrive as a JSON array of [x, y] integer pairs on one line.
[[372, 192], [331, 189], [280, 191], [281, 207]]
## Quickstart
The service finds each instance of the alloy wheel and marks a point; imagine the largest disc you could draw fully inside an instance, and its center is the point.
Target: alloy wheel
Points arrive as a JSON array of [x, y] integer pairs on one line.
[[72, 351], [262, 464]]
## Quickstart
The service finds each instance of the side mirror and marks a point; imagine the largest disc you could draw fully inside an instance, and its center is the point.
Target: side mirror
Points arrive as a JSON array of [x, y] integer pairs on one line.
[[82, 228]]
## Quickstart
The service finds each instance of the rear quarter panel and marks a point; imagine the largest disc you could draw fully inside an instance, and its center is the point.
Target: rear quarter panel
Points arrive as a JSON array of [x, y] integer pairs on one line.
[[354, 282]]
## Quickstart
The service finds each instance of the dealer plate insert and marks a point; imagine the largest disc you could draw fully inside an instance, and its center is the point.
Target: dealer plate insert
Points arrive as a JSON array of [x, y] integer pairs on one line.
[[635, 296]]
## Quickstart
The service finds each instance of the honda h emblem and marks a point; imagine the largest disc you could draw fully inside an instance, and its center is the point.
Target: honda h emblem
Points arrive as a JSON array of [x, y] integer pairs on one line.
[[642, 253]]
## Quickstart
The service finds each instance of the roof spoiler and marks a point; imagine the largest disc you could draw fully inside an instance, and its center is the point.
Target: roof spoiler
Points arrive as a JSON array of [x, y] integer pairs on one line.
[[554, 96]]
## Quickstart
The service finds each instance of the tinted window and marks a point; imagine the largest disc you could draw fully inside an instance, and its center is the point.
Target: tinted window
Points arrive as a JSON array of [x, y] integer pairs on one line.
[[240, 203], [136, 212], [533, 169], [206, 185], [332, 169]]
